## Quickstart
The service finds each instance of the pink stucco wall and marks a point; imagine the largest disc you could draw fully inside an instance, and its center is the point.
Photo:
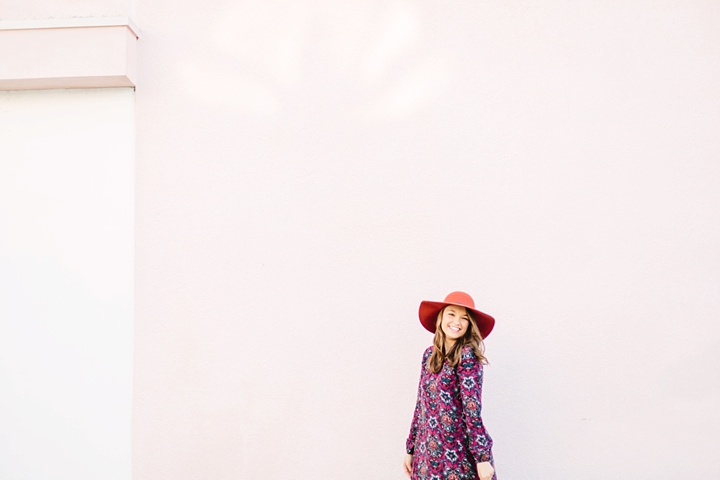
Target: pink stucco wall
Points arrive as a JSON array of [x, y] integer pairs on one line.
[[309, 171]]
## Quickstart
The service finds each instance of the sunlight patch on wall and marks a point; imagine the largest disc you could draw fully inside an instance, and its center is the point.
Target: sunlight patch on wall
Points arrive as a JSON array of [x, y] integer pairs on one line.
[[220, 88], [414, 91], [266, 34], [398, 31], [374, 57]]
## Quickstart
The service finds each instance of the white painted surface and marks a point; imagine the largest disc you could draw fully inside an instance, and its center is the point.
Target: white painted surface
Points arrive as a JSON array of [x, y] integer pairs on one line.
[[66, 283], [62, 9], [310, 171]]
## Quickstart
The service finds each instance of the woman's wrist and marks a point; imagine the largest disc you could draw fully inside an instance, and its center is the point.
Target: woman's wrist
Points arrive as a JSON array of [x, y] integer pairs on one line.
[[485, 470]]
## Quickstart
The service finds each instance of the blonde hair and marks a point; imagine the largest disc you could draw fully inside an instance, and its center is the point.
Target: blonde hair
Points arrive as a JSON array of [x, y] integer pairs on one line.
[[472, 338]]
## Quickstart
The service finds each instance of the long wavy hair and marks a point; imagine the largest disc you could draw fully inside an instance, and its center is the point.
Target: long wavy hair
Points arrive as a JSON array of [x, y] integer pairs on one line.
[[472, 338]]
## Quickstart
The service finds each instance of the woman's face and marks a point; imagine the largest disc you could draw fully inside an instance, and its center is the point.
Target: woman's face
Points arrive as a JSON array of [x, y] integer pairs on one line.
[[455, 322]]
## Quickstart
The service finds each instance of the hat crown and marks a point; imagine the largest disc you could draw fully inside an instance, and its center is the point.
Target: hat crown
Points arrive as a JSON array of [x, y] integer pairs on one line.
[[460, 298], [428, 312]]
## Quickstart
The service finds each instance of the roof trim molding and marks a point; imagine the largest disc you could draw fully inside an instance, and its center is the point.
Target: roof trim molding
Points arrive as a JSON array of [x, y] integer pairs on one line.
[[68, 53]]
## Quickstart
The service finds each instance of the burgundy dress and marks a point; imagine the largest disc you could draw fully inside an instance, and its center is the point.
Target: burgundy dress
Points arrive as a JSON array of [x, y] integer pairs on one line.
[[447, 436]]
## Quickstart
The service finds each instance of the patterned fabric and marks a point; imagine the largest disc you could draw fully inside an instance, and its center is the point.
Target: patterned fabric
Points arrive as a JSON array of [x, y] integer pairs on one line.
[[447, 436]]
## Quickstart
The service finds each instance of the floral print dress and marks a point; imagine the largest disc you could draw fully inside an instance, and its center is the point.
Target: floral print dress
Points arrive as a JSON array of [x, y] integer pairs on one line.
[[447, 436]]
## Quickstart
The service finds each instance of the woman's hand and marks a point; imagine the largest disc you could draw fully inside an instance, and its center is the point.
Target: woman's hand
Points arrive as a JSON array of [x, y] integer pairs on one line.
[[485, 471], [407, 464]]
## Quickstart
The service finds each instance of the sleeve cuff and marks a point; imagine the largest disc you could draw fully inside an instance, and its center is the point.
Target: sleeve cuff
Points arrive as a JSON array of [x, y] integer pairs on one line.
[[409, 447], [483, 457]]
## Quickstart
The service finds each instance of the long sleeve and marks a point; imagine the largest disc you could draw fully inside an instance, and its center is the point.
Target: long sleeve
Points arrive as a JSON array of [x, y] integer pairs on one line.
[[410, 443], [470, 375]]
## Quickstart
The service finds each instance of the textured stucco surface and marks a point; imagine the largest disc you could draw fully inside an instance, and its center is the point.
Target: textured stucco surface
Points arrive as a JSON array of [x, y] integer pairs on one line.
[[309, 171]]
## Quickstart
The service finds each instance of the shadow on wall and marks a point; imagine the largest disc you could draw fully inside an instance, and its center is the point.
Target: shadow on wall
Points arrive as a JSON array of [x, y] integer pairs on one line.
[[263, 55]]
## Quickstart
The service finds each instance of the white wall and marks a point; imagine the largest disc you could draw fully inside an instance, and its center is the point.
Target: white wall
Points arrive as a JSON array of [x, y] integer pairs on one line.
[[308, 172], [46, 9], [66, 283]]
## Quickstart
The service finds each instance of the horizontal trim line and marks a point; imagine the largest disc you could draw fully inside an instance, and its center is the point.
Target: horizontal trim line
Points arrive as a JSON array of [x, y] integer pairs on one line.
[[71, 23], [105, 81]]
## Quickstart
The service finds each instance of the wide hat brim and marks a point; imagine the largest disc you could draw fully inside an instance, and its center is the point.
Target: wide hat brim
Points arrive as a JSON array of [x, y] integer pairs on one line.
[[428, 313]]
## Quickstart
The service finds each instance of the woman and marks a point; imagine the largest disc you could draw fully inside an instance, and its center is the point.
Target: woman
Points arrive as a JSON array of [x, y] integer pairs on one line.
[[448, 440]]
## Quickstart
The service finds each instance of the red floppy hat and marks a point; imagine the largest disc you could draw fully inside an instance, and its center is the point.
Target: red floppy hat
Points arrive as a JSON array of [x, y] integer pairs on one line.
[[429, 311]]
